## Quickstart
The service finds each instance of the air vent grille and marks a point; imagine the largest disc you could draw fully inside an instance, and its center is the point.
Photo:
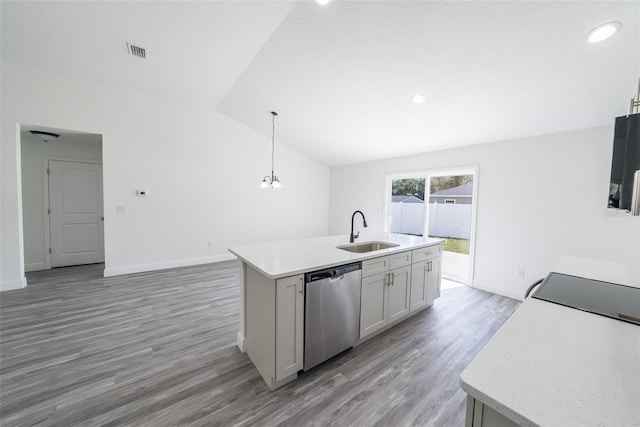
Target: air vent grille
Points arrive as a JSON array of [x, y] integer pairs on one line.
[[138, 51]]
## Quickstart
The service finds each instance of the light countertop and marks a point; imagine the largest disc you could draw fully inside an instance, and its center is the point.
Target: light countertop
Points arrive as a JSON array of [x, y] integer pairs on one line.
[[558, 366], [287, 258]]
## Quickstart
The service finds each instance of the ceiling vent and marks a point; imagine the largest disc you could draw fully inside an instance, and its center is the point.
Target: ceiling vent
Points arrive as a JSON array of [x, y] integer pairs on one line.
[[138, 51]]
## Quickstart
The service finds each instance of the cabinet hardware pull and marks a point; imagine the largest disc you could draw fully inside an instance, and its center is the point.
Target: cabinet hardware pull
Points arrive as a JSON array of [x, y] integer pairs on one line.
[[393, 276]]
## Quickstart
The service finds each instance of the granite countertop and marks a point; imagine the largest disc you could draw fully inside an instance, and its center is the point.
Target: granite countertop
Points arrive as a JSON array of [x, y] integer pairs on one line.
[[554, 365], [287, 258]]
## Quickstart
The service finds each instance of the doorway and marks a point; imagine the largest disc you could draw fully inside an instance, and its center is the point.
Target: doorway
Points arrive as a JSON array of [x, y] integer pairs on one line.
[[62, 198], [440, 204]]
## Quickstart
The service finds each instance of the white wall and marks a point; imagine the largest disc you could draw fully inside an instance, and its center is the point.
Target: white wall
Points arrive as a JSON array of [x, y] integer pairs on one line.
[[539, 199], [202, 171], [34, 155]]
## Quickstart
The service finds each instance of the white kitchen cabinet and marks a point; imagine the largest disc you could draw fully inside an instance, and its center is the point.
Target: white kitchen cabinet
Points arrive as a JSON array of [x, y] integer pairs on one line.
[[433, 279], [289, 326], [418, 286], [275, 325], [399, 291], [481, 415], [386, 288], [375, 266], [425, 253], [373, 304], [425, 277]]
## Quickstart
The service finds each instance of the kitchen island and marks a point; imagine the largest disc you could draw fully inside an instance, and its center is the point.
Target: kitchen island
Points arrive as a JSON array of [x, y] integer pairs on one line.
[[396, 282], [558, 366]]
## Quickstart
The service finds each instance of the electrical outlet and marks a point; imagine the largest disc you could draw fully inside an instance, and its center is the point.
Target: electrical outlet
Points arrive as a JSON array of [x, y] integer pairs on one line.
[[520, 272], [210, 244], [121, 209]]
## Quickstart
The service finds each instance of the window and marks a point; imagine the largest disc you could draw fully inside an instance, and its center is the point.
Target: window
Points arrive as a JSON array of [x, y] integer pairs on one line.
[[407, 206], [439, 204]]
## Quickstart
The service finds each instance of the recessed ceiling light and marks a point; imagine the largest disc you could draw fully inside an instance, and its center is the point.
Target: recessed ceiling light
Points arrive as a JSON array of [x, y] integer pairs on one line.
[[603, 32], [323, 2], [418, 99]]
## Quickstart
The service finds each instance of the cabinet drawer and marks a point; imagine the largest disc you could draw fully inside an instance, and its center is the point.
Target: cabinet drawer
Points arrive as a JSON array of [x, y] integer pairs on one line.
[[427, 253], [375, 266], [399, 260]]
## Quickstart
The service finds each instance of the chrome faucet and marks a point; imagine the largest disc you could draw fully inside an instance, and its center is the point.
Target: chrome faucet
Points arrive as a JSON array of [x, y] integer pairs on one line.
[[352, 238]]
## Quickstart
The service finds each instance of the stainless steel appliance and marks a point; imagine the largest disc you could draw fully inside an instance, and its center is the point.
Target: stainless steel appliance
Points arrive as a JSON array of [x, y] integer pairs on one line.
[[606, 299], [332, 312]]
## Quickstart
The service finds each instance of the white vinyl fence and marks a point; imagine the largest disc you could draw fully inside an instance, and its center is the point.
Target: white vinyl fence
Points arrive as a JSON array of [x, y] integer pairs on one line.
[[407, 218], [450, 220], [445, 220]]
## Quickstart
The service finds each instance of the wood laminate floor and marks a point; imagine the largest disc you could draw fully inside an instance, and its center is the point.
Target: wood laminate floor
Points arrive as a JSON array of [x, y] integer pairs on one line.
[[158, 349]]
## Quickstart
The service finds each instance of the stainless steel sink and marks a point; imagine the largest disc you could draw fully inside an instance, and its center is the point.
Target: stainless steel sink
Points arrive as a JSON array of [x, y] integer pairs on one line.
[[366, 246]]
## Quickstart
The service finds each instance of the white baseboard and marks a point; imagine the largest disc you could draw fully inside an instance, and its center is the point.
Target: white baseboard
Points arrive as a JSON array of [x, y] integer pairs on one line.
[[140, 268], [11, 285], [502, 290], [36, 266], [240, 342]]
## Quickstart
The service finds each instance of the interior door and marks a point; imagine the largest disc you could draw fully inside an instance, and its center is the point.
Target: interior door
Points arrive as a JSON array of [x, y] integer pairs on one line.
[[76, 213]]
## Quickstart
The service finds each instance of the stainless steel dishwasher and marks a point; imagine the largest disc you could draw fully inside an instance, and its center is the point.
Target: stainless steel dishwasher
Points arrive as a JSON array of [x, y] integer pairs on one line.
[[332, 312]]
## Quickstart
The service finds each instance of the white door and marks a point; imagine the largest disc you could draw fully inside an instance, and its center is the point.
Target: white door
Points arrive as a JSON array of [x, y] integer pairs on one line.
[[76, 214]]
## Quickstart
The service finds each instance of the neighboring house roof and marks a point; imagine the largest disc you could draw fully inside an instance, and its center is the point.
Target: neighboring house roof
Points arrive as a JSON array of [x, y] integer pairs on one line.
[[405, 199], [460, 190]]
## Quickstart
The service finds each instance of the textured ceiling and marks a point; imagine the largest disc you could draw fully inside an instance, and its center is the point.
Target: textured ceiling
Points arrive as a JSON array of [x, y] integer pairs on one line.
[[342, 76]]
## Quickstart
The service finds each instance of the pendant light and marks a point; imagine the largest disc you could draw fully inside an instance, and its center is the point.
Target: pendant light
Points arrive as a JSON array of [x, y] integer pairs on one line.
[[272, 181]]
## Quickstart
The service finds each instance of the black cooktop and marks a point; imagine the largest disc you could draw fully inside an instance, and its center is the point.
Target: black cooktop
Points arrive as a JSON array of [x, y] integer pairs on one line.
[[606, 299]]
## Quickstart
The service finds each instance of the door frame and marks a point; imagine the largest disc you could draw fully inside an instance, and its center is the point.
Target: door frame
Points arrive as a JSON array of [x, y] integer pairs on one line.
[[47, 206], [427, 174]]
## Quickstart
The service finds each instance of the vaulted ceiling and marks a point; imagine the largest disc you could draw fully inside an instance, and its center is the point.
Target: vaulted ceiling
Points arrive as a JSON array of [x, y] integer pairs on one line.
[[342, 76]]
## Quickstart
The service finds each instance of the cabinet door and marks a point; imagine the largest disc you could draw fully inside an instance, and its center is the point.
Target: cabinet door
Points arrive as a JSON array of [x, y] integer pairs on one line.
[[418, 286], [427, 252], [399, 260], [375, 266], [399, 293], [433, 279], [289, 326], [373, 304]]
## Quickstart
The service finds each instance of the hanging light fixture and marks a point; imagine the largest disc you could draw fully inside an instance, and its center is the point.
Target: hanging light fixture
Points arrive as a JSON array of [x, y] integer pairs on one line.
[[272, 181]]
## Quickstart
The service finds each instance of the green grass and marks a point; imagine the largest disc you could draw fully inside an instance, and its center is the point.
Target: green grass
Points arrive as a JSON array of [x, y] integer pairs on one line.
[[456, 245]]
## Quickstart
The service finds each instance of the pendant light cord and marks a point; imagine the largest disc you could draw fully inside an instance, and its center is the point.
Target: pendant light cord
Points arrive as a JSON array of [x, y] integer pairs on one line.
[[273, 141]]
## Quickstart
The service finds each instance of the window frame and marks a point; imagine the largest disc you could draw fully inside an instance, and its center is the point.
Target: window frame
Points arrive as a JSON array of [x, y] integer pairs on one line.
[[427, 174]]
